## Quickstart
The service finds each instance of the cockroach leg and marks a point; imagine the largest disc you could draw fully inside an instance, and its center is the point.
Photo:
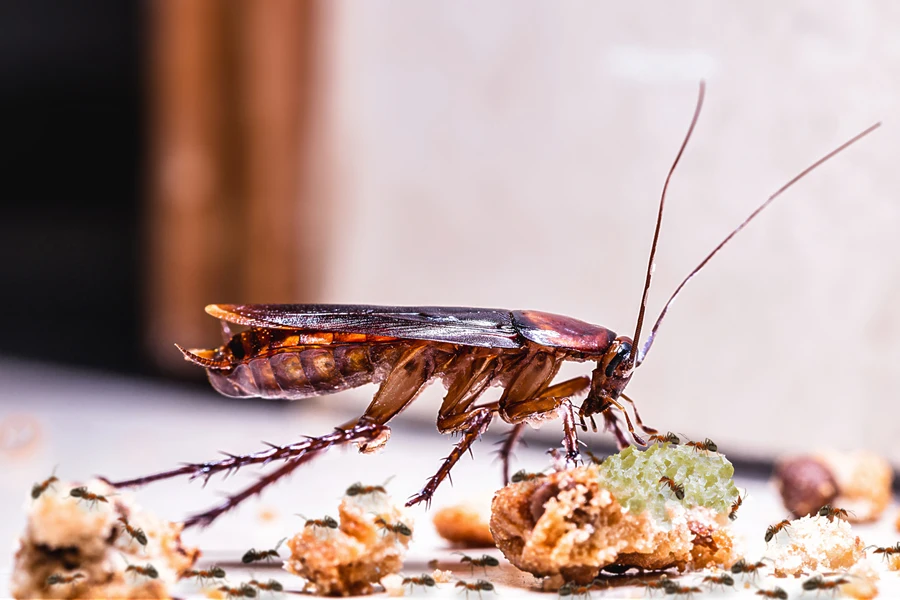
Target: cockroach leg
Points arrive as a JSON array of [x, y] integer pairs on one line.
[[476, 423], [613, 425], [637, 416], [362, 432], [507, 446], [570, 433]]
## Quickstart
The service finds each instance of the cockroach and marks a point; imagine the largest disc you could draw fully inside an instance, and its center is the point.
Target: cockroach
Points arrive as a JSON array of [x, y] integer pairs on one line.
[[476, 586], [742, 566], [706, 445], [136, 533], [60, 579], [732, 514], [523, 475], [147, 570], [423, 580], [272, 585], [818, 582], [830, 513], [397, 528], [773, 530], [484, 562], [204, 575], [39, 488], [325, 522], [719, 580], [777, 593], [82, 493], [244, 591], [676, 488], [294, 351], [253, 555], [669, 438]]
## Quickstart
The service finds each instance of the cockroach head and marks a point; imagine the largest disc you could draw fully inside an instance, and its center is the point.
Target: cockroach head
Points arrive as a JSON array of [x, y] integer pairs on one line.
[[609, 379]]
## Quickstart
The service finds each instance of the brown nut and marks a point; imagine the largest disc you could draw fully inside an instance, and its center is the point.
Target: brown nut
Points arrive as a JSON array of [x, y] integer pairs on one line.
[[806, 485]]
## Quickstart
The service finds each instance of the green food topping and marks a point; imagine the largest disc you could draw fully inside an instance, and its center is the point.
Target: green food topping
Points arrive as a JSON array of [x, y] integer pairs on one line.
[[633, 476]]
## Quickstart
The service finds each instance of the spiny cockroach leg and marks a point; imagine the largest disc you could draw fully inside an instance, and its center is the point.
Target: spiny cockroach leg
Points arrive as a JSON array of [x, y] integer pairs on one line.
[[637, 416], [362, 432], [570, 436], [507, 445], [475, 425], [615, 427]]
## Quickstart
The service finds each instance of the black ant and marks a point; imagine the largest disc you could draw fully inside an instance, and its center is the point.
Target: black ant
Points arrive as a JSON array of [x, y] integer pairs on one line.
[[663, 583], [39, 488], [272, 585], [358, 489], [676, 488], [425, 581], [820, 583], [886, 552], [397, 528], [570, 588], [245, 591], [485, 561], [136, 533], [683, 590], [147, 570], [777, 593], [326, 522], [722, 580], [830, 513], [523, 475], [253, 555], [669, 438], [773, 530], [202, 575], [706, 445], [743, 566], [732, 514], [82, 493], [60, 579], [478, 586]]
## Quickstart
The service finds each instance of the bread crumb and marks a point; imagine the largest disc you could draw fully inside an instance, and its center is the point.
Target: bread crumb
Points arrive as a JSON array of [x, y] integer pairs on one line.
[[863, 581], [864, 483], [393, 585], [894, 562], [442, 576], [66, 536], [350, 559], [814, 544], [465, 524]]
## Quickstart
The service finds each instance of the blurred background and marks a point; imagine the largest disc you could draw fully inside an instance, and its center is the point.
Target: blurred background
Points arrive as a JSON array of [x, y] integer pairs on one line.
[[161, 156]]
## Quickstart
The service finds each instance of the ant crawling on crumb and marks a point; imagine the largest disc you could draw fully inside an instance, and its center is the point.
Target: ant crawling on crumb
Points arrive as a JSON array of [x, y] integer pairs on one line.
[[60, 579], [830, 513], [777, 593], [203, 575], [82, 493], [325, 522], [424, 580], [819, 583], [136, 533], [147, 570], [719, 580], [478, 586], [775, 529], [39, 488], [732, 514], [396, 528], [523, 475], [272, 585], [676, 488], [706, 445], [669, 438], [253, 555], [244, 591], [485, 561]]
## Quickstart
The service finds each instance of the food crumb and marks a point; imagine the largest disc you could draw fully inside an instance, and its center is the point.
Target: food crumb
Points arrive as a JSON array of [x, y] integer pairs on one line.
[[863, 581], [442, 576], [465, 525], [815, 544], [393, 585]]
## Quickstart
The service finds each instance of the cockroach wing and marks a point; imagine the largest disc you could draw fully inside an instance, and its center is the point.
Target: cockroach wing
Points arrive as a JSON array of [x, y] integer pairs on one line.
[[486, 327]]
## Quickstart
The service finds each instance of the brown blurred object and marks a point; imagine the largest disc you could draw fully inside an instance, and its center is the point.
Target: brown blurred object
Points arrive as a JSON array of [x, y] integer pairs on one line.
[[231, 90]]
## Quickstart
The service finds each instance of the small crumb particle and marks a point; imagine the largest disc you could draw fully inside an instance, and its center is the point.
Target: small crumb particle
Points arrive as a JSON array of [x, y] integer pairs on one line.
[[465, 524], [863, 581], [393, 585], [894, 562], [267, 514], [442, 576]]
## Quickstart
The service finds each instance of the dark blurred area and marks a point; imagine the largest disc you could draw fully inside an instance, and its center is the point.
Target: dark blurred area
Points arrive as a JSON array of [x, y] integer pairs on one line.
[[72, 115]]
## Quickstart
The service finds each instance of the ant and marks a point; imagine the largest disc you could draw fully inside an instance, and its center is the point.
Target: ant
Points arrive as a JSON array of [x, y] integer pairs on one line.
[[777, 593], [773, 530], [830, 513], [478, 586], [397, 528], [706, 445], [253, 555], [358, 489], [60, 579], [682, 590], [213, 572], [722, 580], [676, 488], [326, 522], [820, 583], [523, 475], [743, 566], [485, 561], [136, 533], [245, 591], [669, 438], [594, 458], [732, 514], [663, 583], [39, 488], [570, 588], [886, 552], [147, 570], [82, 493], [425, 581], [272, 585]]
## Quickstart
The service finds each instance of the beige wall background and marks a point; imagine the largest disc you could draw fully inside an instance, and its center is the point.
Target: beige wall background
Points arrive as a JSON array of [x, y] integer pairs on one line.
[[511, 154]]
